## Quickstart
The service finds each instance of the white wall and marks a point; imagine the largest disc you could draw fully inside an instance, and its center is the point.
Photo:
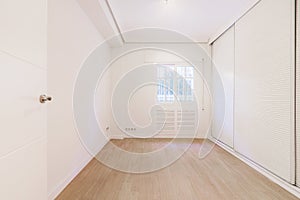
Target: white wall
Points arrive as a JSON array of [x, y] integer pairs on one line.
[[102, 102], [71, 36], [140, 104], [23, 39]]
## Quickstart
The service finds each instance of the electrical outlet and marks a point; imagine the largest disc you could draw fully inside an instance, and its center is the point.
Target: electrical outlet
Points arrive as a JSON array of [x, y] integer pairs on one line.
[[130, 129]]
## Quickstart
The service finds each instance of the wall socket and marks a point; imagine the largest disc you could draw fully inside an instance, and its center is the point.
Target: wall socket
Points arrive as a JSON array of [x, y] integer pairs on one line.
[[130, 129]]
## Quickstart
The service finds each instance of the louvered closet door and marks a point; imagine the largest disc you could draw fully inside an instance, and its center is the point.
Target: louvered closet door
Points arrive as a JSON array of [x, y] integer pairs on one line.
[[264, 86]]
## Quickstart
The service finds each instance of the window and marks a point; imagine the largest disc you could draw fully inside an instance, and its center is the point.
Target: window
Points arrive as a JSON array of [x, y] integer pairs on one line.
[[175, 81]]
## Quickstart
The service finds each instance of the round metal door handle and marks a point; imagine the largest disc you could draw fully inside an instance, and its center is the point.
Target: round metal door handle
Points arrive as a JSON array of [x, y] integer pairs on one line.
[[44, 98]]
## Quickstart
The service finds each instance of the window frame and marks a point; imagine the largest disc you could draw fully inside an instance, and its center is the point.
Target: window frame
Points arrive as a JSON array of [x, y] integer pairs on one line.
[[161, 81]]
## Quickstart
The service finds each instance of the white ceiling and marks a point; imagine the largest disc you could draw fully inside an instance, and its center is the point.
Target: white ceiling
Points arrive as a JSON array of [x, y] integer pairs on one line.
[[198, 19]]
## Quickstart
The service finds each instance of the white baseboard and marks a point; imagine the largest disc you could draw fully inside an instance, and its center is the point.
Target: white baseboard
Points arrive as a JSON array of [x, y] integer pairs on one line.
[[162, 136], [178, 136], [61, 186], [282, 183], [116, 137]]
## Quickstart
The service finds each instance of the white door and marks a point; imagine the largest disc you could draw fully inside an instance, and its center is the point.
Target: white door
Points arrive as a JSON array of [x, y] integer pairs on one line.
[[22, 117], [264, 87]]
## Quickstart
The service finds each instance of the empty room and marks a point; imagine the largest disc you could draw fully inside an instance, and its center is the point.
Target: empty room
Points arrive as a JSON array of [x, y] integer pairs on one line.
[[149, 100]]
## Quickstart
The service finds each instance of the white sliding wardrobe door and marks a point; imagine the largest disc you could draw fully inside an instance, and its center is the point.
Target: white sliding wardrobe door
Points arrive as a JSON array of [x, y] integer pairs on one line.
[[264, 84], [223, 60]]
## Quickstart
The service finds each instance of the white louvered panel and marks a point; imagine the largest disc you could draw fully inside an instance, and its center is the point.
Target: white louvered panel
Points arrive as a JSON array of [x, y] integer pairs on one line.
[[264, 87], [176, 121], [186, 120], [166, 120], [298, 94]]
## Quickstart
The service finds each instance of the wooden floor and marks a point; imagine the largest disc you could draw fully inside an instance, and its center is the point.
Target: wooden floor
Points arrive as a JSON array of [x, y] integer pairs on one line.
[[218, 176]]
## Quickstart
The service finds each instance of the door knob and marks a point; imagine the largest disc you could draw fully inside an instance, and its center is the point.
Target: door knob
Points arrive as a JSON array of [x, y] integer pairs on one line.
[[44, 98]]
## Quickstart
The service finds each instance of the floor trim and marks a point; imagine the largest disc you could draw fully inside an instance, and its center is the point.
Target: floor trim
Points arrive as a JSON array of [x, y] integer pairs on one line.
[[161, 136]]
